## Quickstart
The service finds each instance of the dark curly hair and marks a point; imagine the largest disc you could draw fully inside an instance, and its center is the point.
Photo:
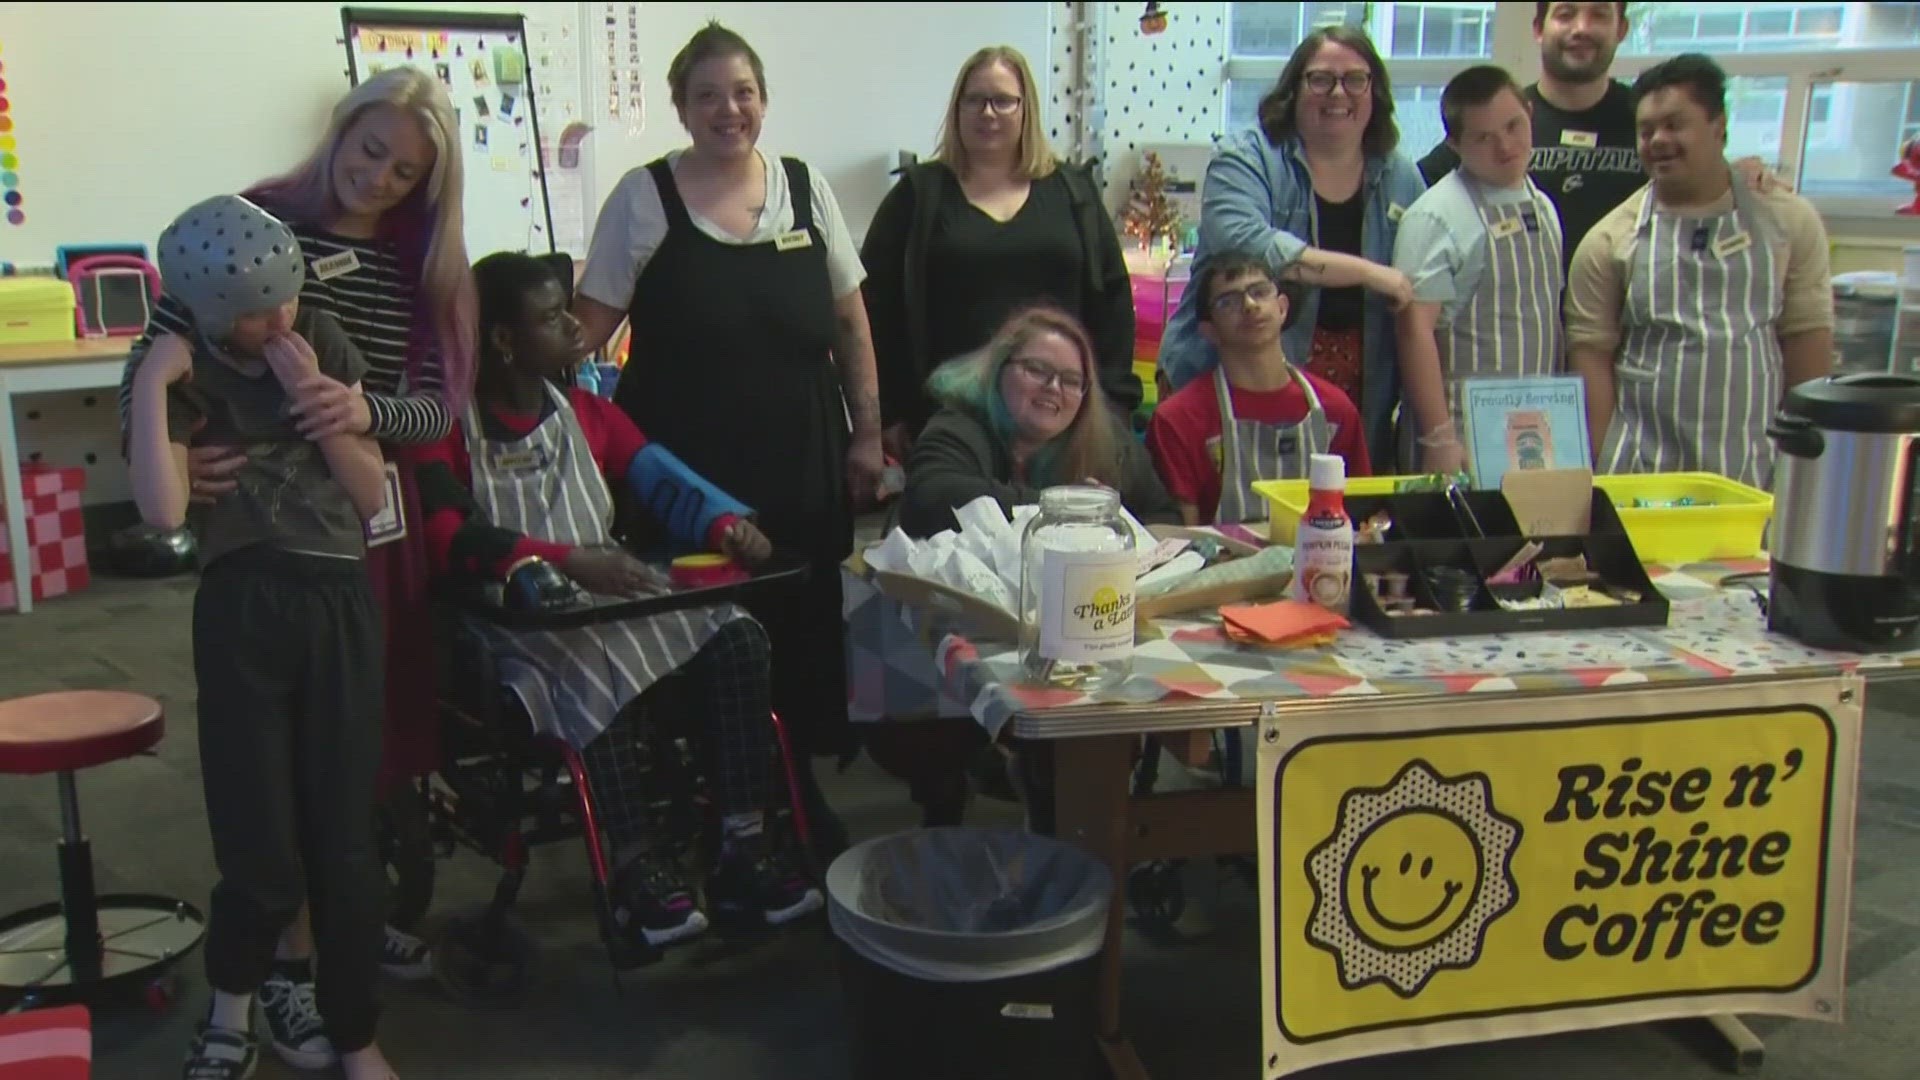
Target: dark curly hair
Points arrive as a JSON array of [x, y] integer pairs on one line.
[[1277, 109]]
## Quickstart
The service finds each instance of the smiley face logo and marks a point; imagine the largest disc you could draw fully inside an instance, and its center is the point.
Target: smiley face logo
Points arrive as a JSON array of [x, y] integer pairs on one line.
[[1411, 878]]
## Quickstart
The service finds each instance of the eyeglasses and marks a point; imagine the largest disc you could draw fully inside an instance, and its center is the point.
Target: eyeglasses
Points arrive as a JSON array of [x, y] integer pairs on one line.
[[1039, 374], [1001, 104], [1323, 82], [1259, 292]]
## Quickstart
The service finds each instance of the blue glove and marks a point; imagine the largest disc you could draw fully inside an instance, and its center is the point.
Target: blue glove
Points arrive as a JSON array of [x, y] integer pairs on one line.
[[678, 497]]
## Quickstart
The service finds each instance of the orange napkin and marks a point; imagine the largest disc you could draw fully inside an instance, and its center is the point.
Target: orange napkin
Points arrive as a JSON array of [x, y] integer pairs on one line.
[[1284, 622]]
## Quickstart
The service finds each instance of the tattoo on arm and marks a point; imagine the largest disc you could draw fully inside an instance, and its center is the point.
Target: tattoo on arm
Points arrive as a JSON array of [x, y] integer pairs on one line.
[[1307, 269]]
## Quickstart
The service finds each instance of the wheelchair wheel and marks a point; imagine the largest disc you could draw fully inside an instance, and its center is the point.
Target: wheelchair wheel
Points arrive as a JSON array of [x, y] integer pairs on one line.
[[1157, 894], [482, 966], [405, 839]]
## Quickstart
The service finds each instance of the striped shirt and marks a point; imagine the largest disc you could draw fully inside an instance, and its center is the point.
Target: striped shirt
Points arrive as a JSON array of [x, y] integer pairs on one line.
[[374, 304]]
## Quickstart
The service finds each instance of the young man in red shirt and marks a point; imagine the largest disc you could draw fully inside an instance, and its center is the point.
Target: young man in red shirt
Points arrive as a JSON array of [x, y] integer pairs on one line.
[[1259, 417]]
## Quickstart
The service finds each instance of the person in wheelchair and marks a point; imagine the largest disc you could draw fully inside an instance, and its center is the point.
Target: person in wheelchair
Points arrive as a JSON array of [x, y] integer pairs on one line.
[[525, 475]]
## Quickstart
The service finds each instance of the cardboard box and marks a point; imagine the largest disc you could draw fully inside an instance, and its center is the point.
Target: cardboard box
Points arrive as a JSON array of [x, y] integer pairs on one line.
[[56, 535]]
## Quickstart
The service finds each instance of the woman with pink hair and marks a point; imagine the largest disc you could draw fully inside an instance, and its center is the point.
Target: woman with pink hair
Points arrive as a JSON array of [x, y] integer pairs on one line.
[[377, 210]]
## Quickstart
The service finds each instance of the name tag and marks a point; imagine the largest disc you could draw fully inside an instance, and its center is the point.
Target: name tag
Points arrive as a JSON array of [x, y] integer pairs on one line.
[[389, 524], [335, 265], [1504, 228], [1395, 211], [1585, 140], [1732, 245], [523, 459], [798, 238]]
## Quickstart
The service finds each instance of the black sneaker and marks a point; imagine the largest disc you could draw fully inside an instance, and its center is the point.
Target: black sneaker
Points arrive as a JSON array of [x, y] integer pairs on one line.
[[760, 884], [293, 1022], [651, 901], [220, 1054], [403, 956]]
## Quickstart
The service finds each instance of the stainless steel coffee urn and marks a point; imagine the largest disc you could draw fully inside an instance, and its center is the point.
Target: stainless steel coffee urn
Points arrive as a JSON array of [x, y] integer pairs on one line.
[[1845, 537]]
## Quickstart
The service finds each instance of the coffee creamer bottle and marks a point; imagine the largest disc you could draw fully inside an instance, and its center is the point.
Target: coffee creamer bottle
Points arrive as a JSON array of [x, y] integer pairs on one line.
[[1323, 545]]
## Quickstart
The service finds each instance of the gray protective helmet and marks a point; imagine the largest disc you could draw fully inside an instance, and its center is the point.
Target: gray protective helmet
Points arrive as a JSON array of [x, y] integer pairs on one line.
[[225, 258]]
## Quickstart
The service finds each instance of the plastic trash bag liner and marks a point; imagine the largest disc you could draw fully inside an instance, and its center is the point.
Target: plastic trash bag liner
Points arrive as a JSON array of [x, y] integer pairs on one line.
[[969, 905]]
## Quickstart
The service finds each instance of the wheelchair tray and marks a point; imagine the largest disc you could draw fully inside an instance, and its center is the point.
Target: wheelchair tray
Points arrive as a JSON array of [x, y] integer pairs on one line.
[[477, 601]]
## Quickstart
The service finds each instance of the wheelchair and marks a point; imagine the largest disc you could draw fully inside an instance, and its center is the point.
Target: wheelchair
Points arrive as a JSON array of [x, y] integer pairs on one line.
[[502, 788]]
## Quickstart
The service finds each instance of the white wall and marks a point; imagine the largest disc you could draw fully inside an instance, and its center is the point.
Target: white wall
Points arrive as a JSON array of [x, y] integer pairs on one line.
[[127, 113]]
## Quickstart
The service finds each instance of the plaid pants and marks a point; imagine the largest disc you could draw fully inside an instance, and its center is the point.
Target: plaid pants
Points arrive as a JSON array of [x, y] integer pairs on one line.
[[731, 683]]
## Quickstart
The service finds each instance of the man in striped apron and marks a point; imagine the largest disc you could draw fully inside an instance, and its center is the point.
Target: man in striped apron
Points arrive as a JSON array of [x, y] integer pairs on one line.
[[1483, 250], [1698, 302], [1259, 417]]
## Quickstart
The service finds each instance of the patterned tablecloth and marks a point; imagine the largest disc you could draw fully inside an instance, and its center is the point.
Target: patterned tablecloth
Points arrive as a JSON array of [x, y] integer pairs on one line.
[[910, 664]]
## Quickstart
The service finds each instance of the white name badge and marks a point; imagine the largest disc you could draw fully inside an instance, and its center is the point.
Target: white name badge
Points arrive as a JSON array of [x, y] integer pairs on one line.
[[333, 266], [798, 238], [526, 459], [390, 523], [1504, 228], [1585, 140], [1395, 211], [1732, 245]]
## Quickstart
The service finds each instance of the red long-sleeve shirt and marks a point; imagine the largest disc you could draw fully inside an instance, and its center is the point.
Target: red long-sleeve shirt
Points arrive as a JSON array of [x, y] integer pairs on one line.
[[458, 544]]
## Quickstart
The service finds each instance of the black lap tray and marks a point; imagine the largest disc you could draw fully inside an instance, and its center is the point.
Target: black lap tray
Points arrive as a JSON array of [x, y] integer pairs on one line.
[[471, 597]]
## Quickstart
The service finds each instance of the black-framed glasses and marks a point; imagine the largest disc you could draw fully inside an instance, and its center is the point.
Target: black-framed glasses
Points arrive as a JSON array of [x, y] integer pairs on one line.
[[1000, 104], [1042, 375], [1226, 303], [1323, 82]]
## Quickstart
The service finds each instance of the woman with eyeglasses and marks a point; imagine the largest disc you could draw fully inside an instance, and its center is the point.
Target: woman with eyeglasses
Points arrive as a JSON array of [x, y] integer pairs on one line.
[[1316, 189], [994, 221]]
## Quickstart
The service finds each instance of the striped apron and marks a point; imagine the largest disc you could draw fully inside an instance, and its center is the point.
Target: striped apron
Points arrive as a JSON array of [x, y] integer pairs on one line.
[[1510, 327], [1700, 367], [548, 487], [1253, 450]]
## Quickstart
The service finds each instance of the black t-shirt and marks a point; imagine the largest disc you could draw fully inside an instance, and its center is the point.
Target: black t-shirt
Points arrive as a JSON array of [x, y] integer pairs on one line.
[[981, 269], [1341, 227], [1587, 162], [286, 494]]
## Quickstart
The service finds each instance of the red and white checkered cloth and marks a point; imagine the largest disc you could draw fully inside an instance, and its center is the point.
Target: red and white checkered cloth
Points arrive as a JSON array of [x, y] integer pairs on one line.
[[55, 533], [47, 1044]]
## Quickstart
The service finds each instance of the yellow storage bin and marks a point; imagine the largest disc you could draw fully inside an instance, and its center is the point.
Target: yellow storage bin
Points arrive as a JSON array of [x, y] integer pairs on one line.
[[1145, 370], [35, 310], [1734, 527]]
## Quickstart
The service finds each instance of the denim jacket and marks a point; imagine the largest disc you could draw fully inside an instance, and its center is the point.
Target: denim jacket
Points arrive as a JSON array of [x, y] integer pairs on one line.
[[1260, 198]]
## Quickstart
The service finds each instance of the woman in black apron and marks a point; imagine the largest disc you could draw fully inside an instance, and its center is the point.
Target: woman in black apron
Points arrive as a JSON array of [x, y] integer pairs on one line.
[[751, 358]]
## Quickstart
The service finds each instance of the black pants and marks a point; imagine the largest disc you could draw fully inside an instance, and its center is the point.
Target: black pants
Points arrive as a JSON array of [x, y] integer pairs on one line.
[[809, 660], [727, 687], [287, 656]]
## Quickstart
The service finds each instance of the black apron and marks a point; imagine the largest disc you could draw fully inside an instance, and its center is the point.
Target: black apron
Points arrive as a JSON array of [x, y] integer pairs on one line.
[[731, 368]]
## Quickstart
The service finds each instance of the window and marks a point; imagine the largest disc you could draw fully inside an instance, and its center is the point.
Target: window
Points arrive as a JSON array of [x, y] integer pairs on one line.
[[1851, 155], [1668, 28], [1416, 108]]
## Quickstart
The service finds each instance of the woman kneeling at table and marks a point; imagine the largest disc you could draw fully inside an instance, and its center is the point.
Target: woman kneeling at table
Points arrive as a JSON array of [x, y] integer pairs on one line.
[[1024, 413]]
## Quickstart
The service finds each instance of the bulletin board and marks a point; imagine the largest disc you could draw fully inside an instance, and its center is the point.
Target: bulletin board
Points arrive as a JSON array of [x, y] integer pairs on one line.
[[483, 60]]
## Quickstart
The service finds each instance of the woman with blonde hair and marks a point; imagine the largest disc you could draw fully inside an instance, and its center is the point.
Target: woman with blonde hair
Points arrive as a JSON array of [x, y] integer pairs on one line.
[[993, 222], [377, 211]]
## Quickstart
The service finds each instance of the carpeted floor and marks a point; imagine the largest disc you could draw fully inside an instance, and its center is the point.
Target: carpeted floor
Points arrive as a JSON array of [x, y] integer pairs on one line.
[[745, 1010]]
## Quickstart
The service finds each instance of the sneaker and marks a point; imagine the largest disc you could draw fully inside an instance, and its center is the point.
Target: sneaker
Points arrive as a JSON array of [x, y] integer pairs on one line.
[[293, 1021], [220, 1054], [403, 956], [652, 902], [759, 884]]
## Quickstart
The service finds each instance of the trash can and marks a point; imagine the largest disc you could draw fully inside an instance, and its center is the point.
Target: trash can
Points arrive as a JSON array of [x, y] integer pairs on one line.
[[970, 954]]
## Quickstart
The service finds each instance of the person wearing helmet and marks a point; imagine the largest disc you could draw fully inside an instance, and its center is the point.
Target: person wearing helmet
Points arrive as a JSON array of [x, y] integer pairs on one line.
[[287, 635]]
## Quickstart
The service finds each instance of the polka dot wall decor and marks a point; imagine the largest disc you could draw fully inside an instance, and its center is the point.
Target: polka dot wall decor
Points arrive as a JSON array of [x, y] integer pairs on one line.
[[10, 194]]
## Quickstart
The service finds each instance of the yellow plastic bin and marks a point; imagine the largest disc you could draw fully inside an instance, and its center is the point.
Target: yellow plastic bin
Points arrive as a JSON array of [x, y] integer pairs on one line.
[[1733, 527]]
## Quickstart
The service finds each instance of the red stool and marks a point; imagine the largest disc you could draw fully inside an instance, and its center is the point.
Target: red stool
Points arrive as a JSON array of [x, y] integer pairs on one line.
[[85, 943]]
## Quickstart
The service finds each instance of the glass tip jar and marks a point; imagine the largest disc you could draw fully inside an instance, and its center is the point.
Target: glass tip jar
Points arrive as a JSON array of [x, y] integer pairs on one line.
[[1077, 568]]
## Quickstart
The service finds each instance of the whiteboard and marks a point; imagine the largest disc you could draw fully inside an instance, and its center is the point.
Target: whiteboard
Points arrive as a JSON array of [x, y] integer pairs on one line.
[[486, 66]]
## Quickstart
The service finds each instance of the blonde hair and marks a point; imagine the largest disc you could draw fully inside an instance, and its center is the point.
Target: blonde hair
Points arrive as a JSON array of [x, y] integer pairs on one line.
[[1036, 158], [1092, 443], [428, 227]]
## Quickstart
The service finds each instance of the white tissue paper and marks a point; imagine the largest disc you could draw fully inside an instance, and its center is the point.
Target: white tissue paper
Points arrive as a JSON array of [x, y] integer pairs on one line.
[[982, 559]]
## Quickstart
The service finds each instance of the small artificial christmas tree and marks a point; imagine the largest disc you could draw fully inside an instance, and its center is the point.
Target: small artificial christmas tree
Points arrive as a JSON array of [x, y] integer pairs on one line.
[[1150, 216]]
